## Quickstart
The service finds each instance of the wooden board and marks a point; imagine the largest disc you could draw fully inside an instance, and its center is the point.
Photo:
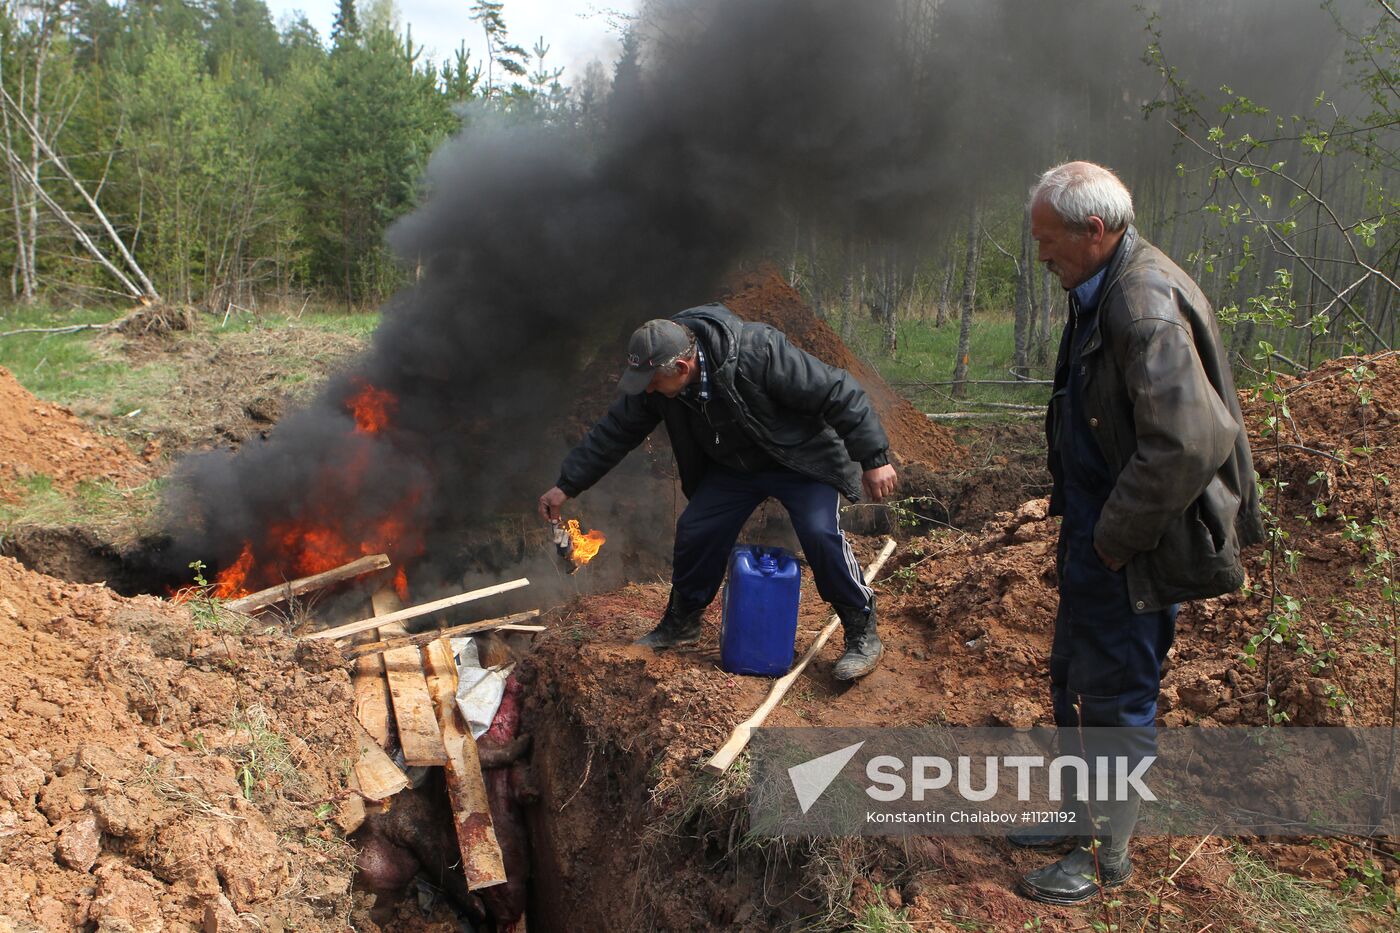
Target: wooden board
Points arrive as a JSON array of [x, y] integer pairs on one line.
[[275, 594], [372, 706], [369, 646], [412, 612], [420, 738], [376, 772], [482, 861]]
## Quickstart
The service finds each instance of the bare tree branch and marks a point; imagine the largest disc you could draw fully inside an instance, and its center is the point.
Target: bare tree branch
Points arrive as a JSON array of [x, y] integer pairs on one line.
[[148, 290], [23, 173]]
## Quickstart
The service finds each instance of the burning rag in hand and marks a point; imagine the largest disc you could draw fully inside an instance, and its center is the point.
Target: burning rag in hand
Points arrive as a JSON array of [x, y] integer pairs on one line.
[[479, 689]]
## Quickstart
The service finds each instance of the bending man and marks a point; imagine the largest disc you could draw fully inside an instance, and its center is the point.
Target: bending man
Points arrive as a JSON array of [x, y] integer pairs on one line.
[[750, 417]]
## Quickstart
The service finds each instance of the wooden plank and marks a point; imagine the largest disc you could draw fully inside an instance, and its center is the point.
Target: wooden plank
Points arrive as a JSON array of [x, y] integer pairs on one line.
[[739, 738], [379, 777], [413, 612], [482, 861], [372, 706], [274, 594], [359, 650], [420, 738]]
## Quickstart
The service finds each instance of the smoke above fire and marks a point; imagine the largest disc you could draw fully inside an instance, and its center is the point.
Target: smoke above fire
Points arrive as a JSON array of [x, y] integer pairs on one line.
[[536, 246]]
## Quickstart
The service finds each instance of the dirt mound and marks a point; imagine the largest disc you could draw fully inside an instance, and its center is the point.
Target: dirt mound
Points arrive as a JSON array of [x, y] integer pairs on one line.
[[160, 773], [764, 296], [39, 439]]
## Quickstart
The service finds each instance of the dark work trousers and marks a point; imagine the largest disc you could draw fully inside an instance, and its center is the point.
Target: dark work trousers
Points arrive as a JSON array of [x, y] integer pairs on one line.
[[1106, 659], [710, 525]]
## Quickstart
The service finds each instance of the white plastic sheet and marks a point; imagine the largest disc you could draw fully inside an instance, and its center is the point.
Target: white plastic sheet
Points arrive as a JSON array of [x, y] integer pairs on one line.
[[479, 690]]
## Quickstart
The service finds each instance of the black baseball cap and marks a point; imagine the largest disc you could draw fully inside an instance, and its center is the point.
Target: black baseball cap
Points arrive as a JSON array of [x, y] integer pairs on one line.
[[655, 343]]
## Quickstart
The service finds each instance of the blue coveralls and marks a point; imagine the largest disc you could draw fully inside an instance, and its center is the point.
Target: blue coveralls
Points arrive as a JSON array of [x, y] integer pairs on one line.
[[1105, 658], [738, 478]]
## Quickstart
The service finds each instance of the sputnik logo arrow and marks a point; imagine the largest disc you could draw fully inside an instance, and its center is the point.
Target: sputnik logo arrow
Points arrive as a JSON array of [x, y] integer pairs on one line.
[[811, 778]]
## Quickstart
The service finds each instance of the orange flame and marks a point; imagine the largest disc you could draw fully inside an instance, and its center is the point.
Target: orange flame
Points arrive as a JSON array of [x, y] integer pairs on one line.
[[586, 546], [229, 583], [371, 408], [324, 534]]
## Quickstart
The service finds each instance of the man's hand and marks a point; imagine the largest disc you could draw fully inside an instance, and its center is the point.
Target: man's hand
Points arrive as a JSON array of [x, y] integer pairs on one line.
[[550, 503], [878, 483], [1112, 563]]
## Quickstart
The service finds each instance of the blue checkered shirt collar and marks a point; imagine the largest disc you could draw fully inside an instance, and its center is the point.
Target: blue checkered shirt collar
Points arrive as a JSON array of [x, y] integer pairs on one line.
[[701, 389]]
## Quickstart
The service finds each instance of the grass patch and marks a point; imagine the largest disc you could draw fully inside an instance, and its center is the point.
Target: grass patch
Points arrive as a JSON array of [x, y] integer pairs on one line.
[[118, 514], [265, 762], [60, 367], [879, 917], [329, 318], [926, 355], [712, 800], [1280, 901]]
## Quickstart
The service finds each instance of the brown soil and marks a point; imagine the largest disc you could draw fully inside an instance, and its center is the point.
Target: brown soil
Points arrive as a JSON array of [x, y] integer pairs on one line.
[[40, 439], [160, 775], [226, 389], [967, 620]]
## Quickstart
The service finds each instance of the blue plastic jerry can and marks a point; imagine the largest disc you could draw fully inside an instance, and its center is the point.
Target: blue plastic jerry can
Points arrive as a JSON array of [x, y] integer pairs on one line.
[[759, 627]]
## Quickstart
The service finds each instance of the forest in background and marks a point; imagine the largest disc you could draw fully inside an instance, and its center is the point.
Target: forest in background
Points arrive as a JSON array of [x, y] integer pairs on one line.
[[198, 152]]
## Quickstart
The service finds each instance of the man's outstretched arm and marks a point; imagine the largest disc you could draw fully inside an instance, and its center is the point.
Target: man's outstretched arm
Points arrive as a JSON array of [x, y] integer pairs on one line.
[[627, 424]]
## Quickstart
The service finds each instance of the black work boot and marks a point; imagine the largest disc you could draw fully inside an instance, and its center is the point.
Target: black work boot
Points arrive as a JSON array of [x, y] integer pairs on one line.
[[1079, 875], [863, 647], [1054, 834], [679, 626]]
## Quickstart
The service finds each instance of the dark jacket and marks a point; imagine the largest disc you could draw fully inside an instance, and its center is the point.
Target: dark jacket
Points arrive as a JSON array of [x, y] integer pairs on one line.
[[812, 418], [1160, 399]]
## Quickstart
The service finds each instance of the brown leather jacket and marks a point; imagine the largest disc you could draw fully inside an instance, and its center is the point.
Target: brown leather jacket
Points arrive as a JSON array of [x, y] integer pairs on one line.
[[1161, 401]]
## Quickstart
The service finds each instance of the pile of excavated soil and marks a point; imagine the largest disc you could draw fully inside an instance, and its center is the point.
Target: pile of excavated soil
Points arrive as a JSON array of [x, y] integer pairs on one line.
[[160, 775], [39, 439], [967, 621], [764, 296]]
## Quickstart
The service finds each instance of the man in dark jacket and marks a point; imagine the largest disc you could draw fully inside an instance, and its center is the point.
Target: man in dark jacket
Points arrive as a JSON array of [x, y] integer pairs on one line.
[[1154, 480], [750, 417]]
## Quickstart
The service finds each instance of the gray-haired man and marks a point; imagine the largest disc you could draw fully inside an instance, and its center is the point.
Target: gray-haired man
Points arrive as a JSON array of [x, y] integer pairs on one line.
[[1153, 476]]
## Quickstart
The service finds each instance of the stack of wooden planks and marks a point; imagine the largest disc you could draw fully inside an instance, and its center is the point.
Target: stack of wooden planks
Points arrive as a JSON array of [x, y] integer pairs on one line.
[[406, 688]]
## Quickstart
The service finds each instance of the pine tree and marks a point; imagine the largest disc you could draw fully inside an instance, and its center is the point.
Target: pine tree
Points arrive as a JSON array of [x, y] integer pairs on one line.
[[346, 27]]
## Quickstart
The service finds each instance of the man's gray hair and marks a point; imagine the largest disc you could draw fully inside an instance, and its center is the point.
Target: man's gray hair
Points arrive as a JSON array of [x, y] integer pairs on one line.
[[1080, 190], [669, 367]]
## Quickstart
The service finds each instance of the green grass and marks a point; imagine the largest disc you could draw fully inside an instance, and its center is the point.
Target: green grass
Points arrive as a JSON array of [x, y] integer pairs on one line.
[[266, 760], [926, 355], [315, 317], [879, 917], [100, 505], [58, 367]]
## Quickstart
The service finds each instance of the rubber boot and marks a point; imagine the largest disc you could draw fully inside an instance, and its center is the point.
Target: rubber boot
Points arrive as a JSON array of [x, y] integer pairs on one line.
[[863, 646], [680, 625], [1098, 862], [1052, 835]]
